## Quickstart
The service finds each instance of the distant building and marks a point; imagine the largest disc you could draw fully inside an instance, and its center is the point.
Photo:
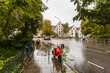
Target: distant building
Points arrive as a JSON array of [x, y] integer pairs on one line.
[[58, 29], [39, 34], [71, 32], [75, 31], [78, 31]]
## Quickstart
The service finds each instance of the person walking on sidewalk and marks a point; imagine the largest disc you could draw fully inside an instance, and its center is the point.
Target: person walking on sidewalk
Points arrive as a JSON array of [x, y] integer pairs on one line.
[[57, 53], [38, 43]]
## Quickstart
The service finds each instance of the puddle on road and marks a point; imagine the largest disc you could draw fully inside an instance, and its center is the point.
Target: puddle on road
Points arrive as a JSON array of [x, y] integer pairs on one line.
[[80, 53], [46, 62]]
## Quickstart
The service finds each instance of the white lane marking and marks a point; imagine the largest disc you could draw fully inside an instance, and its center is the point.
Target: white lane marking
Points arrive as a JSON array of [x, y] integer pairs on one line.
[[97, 51], [95, 65], [107, 51]]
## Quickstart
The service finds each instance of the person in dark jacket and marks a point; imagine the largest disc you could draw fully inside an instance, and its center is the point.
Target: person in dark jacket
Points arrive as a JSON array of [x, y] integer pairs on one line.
[[38, 43]]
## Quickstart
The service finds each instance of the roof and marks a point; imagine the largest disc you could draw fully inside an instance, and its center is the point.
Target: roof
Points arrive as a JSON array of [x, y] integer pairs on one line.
[[62, 25], [71, 27], [78, 28]]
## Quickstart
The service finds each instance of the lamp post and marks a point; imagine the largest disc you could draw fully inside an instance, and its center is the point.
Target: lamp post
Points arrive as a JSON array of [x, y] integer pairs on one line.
[[60, 27], [62, 47], [46, 1], [57, 18]]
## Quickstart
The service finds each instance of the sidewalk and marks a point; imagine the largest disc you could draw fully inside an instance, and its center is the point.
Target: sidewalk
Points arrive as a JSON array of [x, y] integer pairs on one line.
[[42, 62]]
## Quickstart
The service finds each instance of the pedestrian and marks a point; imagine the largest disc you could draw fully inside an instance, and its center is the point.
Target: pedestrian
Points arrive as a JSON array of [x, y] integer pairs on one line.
[[57, 52], [38, 43]]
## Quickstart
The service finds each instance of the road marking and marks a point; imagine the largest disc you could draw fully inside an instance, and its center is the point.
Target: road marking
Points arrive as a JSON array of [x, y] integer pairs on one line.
[[95, 65], [107, 51], [97, 51]]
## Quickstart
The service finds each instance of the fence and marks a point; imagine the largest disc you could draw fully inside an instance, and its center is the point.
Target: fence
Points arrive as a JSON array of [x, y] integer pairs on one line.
[[14, 64], [101, 41]]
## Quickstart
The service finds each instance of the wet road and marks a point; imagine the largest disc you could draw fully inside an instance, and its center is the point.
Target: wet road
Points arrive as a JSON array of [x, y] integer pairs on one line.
[[42, 61], [88, 58]]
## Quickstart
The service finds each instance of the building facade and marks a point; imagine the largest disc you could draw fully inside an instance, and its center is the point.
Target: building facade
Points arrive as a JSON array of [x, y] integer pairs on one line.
[[59, 29], [72, 31], [75, 32], [78, 32]]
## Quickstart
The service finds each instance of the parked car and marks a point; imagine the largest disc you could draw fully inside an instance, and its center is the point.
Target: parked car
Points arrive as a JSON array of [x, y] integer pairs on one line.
[[47, 38]]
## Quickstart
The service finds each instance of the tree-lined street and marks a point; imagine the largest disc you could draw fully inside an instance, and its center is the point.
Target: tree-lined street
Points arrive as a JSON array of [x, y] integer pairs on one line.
[[77, 33]]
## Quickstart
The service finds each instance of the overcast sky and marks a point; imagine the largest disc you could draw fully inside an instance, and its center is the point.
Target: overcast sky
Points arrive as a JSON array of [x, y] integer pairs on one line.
[[63, 9]]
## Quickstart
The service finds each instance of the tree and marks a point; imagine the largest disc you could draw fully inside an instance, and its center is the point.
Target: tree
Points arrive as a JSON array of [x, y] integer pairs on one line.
[[98, 17], [47, 28], [24, 15], [86, 27], [65, 28]]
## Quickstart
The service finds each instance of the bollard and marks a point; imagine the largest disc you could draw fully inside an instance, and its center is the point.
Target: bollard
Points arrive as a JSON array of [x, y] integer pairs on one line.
[[49, 47], [62, 47], [104, 42]]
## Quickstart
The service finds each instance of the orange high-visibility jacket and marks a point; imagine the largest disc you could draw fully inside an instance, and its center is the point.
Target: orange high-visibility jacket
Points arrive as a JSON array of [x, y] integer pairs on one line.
[[57, 51]]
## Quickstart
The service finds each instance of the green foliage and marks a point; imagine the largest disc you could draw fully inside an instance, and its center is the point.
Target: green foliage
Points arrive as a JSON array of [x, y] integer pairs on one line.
[[47, 28], [6, 55], [1, 64], [96, 15], [94, 21], [66, 28], [101, 31], [95, 31], [1, 34], [86, 27], [22, 16]]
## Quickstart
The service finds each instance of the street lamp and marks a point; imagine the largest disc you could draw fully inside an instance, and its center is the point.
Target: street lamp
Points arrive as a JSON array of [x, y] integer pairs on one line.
[[59, 21], [46, 1], [62, 47], [57, 18]]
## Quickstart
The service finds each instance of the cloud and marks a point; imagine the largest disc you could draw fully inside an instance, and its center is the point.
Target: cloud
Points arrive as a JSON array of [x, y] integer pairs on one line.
[[63, 9]]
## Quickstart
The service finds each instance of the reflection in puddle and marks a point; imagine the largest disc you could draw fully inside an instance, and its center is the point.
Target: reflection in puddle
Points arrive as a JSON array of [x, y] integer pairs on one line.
[[84, 52], [44, 59], [56, 65], [75, 49]]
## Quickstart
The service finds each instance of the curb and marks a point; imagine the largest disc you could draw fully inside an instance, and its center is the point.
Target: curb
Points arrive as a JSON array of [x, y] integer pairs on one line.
[[72, 68]]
